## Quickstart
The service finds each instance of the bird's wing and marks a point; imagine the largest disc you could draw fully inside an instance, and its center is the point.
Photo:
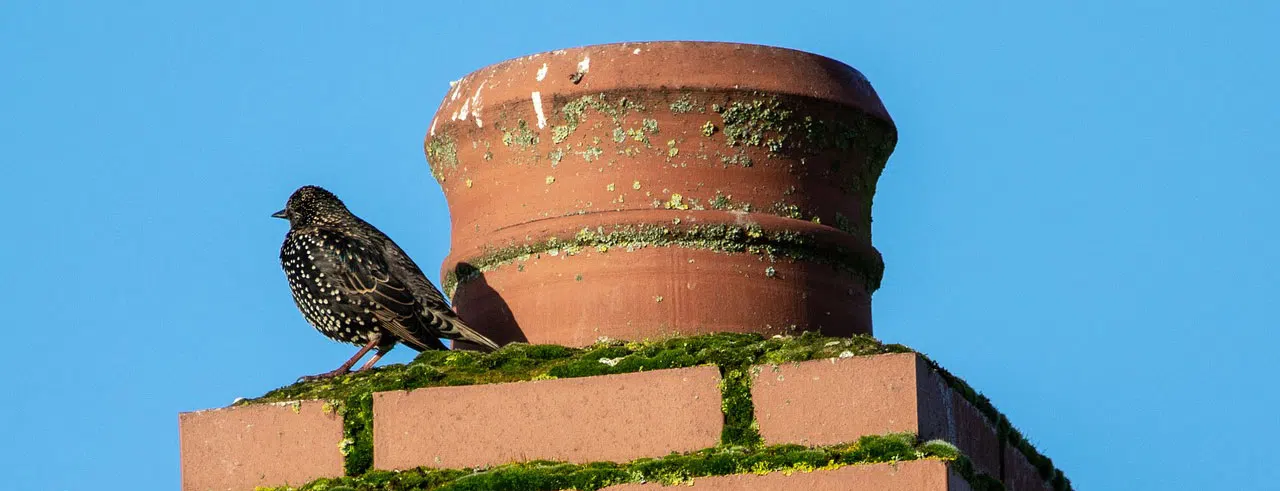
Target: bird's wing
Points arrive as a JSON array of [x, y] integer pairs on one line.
[[365, 274], [402, 265], [439, 315]]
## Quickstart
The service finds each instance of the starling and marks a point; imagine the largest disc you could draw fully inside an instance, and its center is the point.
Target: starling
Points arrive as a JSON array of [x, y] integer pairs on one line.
[[355, 285]]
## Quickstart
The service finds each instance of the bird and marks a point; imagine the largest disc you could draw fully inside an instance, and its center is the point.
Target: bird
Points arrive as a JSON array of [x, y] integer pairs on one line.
[[355, 285]]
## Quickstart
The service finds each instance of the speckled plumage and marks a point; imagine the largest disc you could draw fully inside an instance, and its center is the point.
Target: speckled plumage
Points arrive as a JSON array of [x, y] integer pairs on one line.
[[355, 285]]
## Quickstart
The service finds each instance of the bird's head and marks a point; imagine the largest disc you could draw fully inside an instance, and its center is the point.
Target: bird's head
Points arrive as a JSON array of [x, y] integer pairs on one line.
[[313, 205]]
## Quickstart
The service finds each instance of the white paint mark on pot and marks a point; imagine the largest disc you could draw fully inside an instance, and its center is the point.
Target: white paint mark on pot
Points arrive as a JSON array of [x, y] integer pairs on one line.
[[476, 103], [537, 108]]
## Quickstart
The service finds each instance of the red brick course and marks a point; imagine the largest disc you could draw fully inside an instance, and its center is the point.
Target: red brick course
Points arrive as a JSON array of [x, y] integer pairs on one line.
[[946, 415], [824, 402], [920, 475], [611, 418], [1019, 474], [236, 449]]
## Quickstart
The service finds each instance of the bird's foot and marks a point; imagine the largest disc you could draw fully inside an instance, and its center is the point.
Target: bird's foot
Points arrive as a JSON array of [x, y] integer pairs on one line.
[[325, 375]]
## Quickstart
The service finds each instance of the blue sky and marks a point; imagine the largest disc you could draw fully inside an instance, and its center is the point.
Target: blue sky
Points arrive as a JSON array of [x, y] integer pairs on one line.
[[1079, 219]]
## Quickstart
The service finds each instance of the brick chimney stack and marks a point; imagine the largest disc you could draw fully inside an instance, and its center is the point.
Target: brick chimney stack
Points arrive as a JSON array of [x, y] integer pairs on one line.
[[676, 236]]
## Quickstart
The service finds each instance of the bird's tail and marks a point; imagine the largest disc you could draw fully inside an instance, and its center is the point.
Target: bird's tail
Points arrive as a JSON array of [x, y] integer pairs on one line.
[[456, 330]]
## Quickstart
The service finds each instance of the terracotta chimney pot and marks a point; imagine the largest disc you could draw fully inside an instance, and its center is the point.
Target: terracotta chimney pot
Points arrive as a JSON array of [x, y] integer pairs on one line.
[[637, 190]]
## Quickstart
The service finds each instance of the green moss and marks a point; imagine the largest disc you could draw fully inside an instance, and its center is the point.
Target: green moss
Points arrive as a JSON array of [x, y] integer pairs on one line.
[[735, 355], [676, 203], [521, 136], [672, 469], [573, 113], [725, 202], [748, 123], [442, 151], [591, 153], [638, 135], [977, 481], [782, 124], [560, 133], [683, 105], [739, 411], [719, 201], [520, 362], [357, 431], [784, 209], [649, 125], [779, 124], [720, 238], [740, 159]]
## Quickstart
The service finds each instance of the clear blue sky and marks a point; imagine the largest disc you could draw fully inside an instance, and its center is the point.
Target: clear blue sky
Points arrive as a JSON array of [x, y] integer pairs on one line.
[[1080, 217]]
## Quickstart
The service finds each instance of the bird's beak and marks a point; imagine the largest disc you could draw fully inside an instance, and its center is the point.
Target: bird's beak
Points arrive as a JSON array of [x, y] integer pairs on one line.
[[281, 214]]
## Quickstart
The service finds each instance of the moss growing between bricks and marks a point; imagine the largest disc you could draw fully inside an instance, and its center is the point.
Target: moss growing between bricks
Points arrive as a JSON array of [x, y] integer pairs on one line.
[[733, 353], [521, 362], [357, 433], [740, 426], [672, 469]]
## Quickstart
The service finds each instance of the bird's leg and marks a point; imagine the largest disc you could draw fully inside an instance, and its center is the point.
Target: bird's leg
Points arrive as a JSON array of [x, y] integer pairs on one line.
[[346, 367], [382, 350]]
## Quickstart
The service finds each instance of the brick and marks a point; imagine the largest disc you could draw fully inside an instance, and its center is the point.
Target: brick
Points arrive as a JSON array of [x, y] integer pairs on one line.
[[237, 449], [825, 402], [611, 418], [919, 475], [1019, 474], [946, 415]]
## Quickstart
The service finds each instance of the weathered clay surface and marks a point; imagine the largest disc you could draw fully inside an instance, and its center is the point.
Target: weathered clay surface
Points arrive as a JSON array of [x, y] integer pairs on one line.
[[237, 449], [608, 418], [921, 475], [582, 139], [723, 227], [825, 402], [595, 294]]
